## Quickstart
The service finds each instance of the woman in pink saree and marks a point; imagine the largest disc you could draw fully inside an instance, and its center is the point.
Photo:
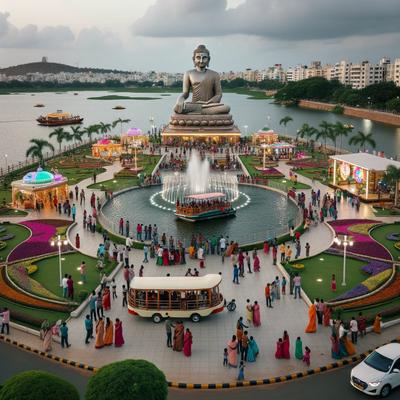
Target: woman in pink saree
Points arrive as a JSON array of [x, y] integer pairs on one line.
[[286, 345], [232, 352], [118, 336], [187, 343], [256, 314]]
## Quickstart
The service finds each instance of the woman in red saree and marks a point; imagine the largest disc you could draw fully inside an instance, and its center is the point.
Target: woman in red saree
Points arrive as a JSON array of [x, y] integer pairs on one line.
[[256, 263], [232, 352], [118, 336], [279, 349], [165, 257], [286, 345], [312, 319], [187, 343], [327, 315], [106, 299], [256, 314]]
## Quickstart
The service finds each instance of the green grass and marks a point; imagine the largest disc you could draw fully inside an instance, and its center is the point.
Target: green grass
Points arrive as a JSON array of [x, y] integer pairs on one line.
[[384, 212], [37, 313], [380, 233], [289, 184], [5, 194], [21, 233], [116, 97], [323, 269], [76, 175], [319, 174], [11, 212], [115, 185], [48, 272]]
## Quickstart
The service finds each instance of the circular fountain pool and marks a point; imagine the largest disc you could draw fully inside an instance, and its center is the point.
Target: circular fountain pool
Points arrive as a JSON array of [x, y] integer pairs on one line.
[[261, 214]]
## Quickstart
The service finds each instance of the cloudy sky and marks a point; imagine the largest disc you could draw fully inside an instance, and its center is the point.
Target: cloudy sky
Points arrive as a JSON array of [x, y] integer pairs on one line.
[[161, 34]]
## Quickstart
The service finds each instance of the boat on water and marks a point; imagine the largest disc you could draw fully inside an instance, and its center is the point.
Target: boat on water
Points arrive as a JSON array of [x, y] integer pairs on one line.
[[119, 108], [59, 118], [76, 94], [204, 206], [39, 105]]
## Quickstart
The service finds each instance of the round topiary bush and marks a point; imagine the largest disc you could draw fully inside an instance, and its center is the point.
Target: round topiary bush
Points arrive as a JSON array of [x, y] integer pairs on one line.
[[37, 385], [127, 380]]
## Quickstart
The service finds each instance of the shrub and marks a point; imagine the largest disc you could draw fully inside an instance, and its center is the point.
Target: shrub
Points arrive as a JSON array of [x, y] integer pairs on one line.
[[2, 244], [127, 380], [37, 385]]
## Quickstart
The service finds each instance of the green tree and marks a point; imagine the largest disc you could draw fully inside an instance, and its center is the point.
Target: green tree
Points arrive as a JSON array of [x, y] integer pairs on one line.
[[76, 134], [392, 176], [284, 121], [393, 105], [342, 130], [60, 134], [362, 140], [36, 150], [325, 132], [104, 128], [128, 380], [37, 385], [90, 131], [121, 122]]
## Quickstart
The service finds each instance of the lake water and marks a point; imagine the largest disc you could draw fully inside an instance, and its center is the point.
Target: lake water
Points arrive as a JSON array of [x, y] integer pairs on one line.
[[18, 117]]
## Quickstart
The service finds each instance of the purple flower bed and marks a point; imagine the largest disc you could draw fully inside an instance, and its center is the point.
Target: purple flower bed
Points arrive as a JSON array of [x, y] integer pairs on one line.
[[38, 244], [375, 267], [363, 244], [358, 290], [272, 172]]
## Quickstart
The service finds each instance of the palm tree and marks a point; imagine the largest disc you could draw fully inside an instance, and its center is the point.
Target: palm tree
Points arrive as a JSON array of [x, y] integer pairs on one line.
[[36, 150], [104, 128], [392, 176], [76, 134], [342, 130], [90, 130], [60, 135], [284, 121], [363, 139], [121, 122], [324, 132]]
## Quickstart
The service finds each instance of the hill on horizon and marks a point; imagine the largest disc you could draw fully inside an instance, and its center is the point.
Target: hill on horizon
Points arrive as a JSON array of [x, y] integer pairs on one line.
[[50, 68]]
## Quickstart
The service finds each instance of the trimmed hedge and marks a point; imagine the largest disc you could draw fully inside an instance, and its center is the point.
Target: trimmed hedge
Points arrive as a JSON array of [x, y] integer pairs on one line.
[[128, 380], [37, 385]]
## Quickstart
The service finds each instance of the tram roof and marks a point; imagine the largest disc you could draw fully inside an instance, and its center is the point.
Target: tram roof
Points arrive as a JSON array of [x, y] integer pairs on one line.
[[206, 196], [176, 282]]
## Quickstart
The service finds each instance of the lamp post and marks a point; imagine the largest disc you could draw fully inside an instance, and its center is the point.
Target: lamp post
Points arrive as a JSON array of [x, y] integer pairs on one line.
[[346, 241], [245, 129], [264, 146], [59, 242], [151, 120], [6, 158]]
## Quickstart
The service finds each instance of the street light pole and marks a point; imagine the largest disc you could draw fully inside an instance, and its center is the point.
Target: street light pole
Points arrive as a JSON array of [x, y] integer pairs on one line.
[[59, 244], [346, 242]]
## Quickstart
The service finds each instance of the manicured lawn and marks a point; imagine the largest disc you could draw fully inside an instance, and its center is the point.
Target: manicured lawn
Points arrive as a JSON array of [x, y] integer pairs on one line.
[[114, 185], [18, 312], [75, 175], [11, 212], [48, 272], [289, 184], [384, 212], [319, 174], [322, 267], [5, 194], [380, 233], [21, 233]]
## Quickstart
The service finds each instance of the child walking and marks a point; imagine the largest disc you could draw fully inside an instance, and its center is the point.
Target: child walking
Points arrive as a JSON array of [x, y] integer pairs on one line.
[[225, 363], [307, 356], [241, 371]]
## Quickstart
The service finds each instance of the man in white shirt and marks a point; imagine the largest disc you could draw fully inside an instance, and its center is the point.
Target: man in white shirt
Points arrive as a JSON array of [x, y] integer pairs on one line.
[[354, 330], [129, 242], [222, 246], [65, 285]]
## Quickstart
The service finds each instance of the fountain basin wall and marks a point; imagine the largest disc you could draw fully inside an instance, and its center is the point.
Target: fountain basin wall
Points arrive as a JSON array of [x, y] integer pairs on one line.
[[268, 215]]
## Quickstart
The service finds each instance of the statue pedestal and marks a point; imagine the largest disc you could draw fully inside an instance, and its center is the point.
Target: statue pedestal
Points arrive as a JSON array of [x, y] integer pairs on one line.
[[219, 128]]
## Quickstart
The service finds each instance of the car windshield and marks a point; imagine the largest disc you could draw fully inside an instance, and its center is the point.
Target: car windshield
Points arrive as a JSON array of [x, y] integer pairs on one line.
[[379, 362]]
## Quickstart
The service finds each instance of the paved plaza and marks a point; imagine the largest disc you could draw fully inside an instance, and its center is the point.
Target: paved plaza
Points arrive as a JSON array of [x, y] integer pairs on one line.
[[144, 339]]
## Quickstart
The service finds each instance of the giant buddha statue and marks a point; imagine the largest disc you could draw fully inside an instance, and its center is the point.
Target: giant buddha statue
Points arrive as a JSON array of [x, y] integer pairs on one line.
[[204, 116], [205, 85]]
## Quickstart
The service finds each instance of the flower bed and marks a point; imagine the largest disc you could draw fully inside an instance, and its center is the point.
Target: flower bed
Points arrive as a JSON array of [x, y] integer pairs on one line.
[[39, 242], [308, 163], [375, 267], [363, 243], [388, 293], [270, 172], [20, 276]]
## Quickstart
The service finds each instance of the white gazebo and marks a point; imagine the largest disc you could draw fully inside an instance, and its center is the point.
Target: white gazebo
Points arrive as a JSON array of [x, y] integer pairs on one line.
[[363, 170]]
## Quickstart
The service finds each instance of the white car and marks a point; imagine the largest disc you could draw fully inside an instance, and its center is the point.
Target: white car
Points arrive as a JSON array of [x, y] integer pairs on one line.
[[379, 373]]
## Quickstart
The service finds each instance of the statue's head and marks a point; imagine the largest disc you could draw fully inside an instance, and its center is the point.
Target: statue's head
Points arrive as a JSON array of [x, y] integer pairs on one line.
[[201, 57]]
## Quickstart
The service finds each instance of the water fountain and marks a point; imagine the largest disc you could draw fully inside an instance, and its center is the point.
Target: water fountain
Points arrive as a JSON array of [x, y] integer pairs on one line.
[[199, 180]]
